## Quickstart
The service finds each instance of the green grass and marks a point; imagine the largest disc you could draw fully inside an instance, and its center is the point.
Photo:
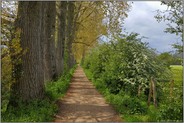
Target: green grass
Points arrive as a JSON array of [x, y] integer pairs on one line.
[[180, 67], [55, 90], [135, 118], [35, 111], [40, 110], [177, 71], [177, 76]]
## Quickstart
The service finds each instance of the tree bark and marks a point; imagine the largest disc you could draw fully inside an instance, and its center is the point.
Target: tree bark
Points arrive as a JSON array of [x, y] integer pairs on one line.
[[61, 36], [31, 83], [70, 33], [49, 40]]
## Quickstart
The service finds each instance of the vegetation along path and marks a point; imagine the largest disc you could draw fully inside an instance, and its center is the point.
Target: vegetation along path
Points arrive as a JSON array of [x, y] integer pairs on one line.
[[83, 103]]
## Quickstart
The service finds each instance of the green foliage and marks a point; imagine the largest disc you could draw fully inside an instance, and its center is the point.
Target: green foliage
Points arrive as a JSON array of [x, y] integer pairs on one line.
[[54, 90], [166, 57], [125, 64], [152, 114], [99, 84], [174, 16], [172, 111], [135, 109], [6, 68], [119, 67], [132, 108], [127, 105], [136, 118], [10, 56], [35, 111], [11, 67], [177, 74], [172, 103], [169, 59], [40, 110]]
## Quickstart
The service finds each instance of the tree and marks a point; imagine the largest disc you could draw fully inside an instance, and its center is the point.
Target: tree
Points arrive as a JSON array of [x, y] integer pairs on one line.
[[49, 57], [114, 14], [30, 84], [174, 16], [70, 34], [61, 35], [89, 28], [166, 57], [97, 19], [126, 64], [12, 49]]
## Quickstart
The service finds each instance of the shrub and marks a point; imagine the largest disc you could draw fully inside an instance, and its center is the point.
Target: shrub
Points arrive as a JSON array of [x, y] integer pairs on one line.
[[153, 114], [171, 112], [35, 111], [132, 105], [54, 90], [127, 104], [125, 63], [121, 66]]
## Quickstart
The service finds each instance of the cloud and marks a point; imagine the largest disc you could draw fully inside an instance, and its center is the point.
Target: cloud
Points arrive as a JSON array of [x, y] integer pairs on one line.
[[155, 4], [141, 20]]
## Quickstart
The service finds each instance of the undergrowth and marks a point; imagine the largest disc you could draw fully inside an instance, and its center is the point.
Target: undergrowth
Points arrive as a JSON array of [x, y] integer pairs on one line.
[[135, 109], [40, 110], [122, 70]]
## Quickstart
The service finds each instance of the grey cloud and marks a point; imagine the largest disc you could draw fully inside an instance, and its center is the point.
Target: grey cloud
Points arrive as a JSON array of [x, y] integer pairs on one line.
[[141, 20]]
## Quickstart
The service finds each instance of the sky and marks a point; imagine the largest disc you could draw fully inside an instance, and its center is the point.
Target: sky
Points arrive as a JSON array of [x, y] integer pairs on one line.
[[141, 20]]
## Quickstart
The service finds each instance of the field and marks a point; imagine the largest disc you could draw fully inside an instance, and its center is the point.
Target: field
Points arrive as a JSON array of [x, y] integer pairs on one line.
[[177, 71]]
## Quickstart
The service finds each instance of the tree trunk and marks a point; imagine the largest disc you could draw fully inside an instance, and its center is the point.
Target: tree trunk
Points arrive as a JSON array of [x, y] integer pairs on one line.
[[70, 33], [49, 40], [31, 83], [61, 36]]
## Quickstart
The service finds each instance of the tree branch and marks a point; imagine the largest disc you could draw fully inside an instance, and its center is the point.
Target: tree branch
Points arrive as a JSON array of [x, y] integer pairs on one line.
[[86, 43], [77, 42]]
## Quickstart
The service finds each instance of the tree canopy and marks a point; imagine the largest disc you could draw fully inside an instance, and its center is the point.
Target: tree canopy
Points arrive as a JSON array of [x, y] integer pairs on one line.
[[174, 16]]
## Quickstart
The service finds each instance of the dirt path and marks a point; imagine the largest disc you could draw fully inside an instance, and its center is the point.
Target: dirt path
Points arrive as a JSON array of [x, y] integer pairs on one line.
[[82, 103]]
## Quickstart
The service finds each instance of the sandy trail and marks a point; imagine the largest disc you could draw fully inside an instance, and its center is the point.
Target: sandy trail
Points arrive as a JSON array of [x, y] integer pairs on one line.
[[83, 103]]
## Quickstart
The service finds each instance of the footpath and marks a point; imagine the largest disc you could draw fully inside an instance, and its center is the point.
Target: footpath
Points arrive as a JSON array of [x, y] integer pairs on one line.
[[83, 103]]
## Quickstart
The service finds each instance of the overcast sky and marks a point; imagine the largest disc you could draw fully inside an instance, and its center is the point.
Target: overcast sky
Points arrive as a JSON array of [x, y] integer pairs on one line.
[[141, 20]]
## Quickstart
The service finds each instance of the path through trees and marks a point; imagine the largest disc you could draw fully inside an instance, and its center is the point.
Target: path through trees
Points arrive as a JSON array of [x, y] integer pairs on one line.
[[83, 103]]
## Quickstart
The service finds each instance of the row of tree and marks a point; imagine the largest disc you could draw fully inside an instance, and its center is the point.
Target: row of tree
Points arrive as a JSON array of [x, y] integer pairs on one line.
[[45, 39], [171, 58]]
